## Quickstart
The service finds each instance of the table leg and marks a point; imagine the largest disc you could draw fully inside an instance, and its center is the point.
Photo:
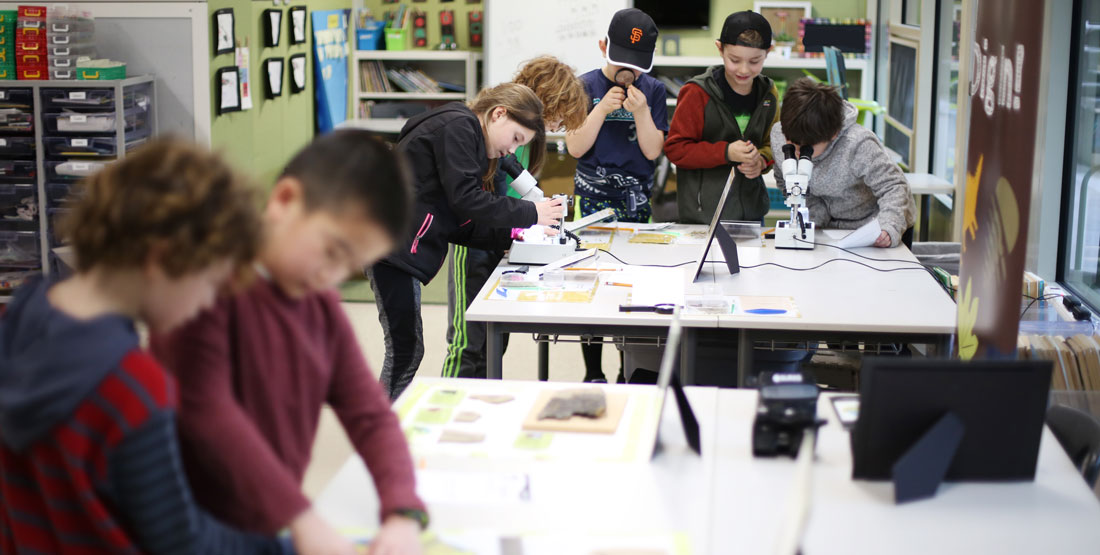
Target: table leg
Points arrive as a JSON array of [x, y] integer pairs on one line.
[[925, 214], [688, 339], [494, 352], [544, 359], [744, 357]]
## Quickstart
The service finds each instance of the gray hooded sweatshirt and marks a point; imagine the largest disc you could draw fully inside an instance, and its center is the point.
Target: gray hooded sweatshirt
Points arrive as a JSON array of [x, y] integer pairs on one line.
[[853, 181]]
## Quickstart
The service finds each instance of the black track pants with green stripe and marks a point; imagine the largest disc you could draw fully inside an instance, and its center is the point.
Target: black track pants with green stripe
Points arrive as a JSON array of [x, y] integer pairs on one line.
[[468, 270]]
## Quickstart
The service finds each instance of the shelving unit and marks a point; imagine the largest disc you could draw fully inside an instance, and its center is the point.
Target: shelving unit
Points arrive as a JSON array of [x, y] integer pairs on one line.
[[52, 134], [775, 66], [456, 67]]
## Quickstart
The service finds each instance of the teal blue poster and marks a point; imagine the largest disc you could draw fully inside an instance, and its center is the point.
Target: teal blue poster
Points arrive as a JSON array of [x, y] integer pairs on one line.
[[330, 53]]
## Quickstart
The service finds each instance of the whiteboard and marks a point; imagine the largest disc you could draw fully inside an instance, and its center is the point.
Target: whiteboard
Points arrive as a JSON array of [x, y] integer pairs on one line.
[[518, 30]]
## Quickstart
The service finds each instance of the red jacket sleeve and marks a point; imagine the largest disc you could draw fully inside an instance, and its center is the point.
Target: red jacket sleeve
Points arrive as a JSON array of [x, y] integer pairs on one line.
[[364, 410], [684, 146], [229, 455]]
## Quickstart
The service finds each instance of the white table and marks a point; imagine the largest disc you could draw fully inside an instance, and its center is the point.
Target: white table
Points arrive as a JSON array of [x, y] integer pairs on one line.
[[727, 501], [838, 302]]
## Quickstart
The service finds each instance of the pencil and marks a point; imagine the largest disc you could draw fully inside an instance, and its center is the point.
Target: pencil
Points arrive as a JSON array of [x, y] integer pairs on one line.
[[617, 284]]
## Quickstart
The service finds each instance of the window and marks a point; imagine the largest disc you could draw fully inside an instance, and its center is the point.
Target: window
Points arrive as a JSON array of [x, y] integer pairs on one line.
[[944, 153], [1080, 269], [901, 96]]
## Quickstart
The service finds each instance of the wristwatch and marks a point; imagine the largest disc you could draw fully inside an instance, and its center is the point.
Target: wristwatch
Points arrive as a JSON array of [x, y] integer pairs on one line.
[[419, 516]]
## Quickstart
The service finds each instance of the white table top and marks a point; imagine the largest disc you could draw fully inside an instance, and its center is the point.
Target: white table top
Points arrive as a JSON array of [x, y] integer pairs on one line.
[[727, 501], [928, 184], [841, 296]]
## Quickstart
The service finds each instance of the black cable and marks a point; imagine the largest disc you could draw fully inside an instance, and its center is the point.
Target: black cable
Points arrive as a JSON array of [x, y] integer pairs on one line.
[[1033, 299], [884, 270], [948, 289], [647, 265]]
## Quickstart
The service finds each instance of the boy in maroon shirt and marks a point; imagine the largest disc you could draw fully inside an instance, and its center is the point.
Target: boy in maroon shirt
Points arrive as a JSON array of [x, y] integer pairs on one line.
[[255, 371]]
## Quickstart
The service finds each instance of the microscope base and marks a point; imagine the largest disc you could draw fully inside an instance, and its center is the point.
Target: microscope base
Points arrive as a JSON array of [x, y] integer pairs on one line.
[[540, 253], [787, 237]]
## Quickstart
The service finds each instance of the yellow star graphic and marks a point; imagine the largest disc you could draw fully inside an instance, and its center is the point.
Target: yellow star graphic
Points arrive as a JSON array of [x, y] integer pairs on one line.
[[970, 209]]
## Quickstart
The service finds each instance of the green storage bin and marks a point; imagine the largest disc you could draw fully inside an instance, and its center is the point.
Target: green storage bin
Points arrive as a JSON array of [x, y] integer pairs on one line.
[[7, 72], [100, 73], [8, 16], [397, 39]]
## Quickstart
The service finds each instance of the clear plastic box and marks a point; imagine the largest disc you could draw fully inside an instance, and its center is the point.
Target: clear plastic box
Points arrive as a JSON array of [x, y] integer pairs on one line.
[[80, 146], [12, 147], [19, 249]]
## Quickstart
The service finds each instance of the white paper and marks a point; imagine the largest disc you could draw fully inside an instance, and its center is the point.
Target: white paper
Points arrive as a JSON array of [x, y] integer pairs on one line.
[[472, 488], [298, 72], [229, 97], [225, 31], [653, 286], [298, 21], [865, 236], [276, 25], [275, 76]]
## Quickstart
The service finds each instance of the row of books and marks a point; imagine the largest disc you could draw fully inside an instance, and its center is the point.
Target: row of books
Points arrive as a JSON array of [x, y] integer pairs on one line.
[[1076, 359], [374, 76]]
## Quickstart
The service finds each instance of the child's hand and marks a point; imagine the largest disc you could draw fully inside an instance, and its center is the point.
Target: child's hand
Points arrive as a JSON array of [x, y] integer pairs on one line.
[[635, 100], [741, 151], [398, 536], [883, 240], [313, 536], [550, 211], [612, 100], [753, 168]]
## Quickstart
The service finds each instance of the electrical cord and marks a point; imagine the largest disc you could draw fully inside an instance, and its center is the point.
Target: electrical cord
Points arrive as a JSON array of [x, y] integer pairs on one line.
[[621, 261], [1033, 299]]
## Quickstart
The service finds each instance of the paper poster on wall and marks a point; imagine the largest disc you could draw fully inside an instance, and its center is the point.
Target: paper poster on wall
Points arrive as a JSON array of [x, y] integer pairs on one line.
[[245, 80], [223, 31], [297, 24], [330, 67], [1004, 111], [229, 97], [297, 73]]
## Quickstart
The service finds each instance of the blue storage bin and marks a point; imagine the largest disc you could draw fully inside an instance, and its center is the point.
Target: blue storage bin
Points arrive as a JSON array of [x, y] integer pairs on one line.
[[371, 37]]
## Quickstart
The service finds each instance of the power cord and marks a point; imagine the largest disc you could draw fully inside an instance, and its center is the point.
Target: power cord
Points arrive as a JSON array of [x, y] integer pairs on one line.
[[621, 261], [1033, 299]]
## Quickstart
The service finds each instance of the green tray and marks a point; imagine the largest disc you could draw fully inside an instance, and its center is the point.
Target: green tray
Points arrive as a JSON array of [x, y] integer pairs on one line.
[[100, 73]]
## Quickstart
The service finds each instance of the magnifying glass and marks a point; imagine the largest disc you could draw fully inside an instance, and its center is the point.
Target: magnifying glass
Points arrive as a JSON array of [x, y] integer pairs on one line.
[[624, 78]]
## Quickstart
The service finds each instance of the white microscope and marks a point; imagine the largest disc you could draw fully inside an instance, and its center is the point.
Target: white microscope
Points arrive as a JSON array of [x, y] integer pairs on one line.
[[536, 247], [798, 232]]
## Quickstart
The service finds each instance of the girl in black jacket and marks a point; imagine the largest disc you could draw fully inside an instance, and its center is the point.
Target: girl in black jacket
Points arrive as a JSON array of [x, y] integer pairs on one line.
[[453, 151]]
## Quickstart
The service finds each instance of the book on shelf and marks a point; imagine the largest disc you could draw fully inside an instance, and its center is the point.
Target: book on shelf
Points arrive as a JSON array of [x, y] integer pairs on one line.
[[1076, 358]]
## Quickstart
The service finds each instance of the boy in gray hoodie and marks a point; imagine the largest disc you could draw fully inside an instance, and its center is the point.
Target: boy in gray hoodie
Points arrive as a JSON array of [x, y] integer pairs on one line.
[[854, 180]]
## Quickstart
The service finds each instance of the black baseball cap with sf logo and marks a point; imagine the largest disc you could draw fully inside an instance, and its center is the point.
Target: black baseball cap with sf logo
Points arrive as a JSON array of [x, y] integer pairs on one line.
[[631, 40]]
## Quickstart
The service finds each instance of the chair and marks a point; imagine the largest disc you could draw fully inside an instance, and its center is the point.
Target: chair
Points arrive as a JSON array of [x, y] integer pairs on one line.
[[1079, 434]]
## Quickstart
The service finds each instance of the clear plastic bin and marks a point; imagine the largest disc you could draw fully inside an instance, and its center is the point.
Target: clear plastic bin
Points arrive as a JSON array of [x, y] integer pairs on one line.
[[63, 74], [66, 39], [19, 201], [80, 146], [13, 278], [82, 49], [72, 170], [18, 120], [64, 62], [61, 99], [19, 249], [59, 193], [16, 98], [16, 146], [18, 169], [70, 25]]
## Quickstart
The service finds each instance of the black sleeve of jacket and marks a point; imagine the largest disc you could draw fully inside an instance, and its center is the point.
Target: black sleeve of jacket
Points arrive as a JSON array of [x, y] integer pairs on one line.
[[481, 237], [460, 174], [146, 476]]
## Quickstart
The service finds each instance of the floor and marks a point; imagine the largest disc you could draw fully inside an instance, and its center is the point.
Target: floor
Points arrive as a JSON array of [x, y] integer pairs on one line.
[[332, 449]]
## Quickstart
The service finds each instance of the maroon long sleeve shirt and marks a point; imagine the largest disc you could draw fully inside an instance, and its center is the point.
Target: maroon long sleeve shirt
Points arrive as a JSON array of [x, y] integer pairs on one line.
[[254, 372]]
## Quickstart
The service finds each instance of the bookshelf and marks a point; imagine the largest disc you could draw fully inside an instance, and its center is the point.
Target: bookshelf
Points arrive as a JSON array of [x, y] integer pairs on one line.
[[390, 85]]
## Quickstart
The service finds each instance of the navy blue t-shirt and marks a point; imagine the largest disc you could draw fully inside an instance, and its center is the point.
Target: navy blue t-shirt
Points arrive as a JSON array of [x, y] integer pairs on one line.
[[616, 149]]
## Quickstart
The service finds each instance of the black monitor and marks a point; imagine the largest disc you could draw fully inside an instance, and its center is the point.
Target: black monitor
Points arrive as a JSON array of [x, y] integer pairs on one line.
[[1000, 406]]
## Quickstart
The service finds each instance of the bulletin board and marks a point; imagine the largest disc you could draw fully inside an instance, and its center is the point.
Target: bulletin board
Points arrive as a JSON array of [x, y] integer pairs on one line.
[[518, 30]]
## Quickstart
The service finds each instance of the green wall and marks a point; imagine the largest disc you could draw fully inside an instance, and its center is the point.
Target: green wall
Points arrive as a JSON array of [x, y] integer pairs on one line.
[[260, 141], [701, 43]]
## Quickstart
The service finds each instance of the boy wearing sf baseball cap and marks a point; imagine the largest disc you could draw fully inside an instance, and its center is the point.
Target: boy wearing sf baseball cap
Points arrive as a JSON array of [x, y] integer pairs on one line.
[[724, 117], [623, 133]]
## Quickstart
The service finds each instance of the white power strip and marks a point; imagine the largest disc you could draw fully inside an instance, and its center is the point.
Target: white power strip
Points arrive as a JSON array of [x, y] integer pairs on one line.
[[593, 218], [563, 262]]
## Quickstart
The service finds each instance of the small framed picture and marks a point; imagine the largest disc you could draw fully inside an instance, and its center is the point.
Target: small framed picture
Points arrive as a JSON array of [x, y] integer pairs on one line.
[[229, 92], [273, 26], [297, 23], [273, 72], [297, 73], [224, 37], [784, 18]]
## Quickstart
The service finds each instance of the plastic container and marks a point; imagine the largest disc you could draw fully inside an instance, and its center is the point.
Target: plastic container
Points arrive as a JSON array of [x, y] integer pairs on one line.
[[101, 73], [27, 60], [31, 12], [7, 54], [19, 201], [62, 74], [70, 26], [79, 146], [19, 249], [16, 98], [30, 47], [71, 170], [81, 49], [8, 16], [13, 147], [74, 122], [59, 193], [38, 73], [18, 169], [63, 62], [66, 39], [19, 120], [371, 36], [7, 72], [12, 279], [397, 39], [82, 99]]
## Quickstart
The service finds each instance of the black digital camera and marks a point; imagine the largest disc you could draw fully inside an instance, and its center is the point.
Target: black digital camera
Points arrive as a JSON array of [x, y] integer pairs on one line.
[[786, 407]]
